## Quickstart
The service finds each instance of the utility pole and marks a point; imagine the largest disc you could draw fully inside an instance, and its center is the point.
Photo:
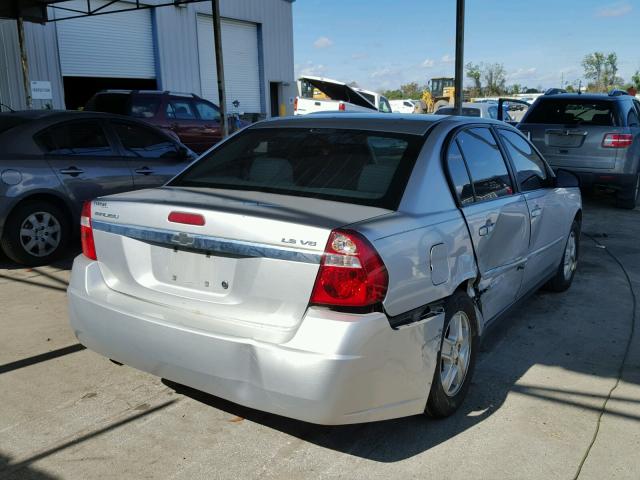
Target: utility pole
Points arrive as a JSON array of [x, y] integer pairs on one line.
[[217, 48], [459, 96], [25, 63]]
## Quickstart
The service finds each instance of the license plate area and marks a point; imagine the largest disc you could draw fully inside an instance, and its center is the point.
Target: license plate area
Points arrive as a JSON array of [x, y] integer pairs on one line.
[[573, 140], [193, 271]]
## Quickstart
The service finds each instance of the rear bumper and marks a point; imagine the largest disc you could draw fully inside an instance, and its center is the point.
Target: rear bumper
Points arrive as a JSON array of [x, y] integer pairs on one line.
[[338, 368], [617, 181]]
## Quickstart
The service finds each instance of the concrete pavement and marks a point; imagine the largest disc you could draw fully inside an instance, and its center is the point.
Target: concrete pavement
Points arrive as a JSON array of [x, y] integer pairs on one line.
[[539, 386]]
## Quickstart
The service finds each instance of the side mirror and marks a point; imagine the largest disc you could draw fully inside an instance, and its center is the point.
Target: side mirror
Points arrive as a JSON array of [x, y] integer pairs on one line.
[[566, 179]]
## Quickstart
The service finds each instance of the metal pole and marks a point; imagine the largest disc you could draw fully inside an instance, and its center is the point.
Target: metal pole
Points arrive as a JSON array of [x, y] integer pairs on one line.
[[459, 56], [25, 64], [217, 47]]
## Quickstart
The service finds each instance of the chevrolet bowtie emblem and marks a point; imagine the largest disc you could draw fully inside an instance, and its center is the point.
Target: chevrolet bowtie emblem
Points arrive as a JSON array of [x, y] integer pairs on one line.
[[183, 239]]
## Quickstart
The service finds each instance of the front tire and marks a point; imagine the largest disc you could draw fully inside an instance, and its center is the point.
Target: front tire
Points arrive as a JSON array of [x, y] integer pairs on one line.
[[456, 358], [36, 233], [569, 262]]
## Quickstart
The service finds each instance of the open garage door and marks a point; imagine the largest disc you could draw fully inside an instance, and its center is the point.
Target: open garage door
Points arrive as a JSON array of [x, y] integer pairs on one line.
[[105, 51], [241, 64]]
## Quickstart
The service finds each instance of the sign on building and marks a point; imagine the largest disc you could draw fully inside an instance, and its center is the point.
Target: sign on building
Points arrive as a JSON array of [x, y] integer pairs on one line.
[[41, 90]]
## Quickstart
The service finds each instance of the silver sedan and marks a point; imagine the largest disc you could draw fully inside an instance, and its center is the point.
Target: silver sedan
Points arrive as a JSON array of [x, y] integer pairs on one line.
[[333, 269]]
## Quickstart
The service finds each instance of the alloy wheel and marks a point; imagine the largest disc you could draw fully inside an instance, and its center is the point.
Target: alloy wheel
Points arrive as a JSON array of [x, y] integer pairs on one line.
[[570, 256], [455, 354], [40, 234]]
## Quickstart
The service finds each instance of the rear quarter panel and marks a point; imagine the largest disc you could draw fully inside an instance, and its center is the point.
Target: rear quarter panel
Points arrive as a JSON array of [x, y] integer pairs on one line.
[[427, 216]]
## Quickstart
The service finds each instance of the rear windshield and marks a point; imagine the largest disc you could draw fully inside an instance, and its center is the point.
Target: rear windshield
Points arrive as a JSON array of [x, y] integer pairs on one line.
[[572, 112], [354, 166], [467, 112]]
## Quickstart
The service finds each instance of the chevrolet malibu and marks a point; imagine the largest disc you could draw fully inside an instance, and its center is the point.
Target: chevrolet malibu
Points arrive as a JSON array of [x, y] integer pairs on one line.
[[333, 269]]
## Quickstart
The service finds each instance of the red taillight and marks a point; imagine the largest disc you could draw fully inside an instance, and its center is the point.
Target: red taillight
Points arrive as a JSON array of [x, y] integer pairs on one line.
[[351, 273], [617, 140], [186, 218], [86, 233], [295, 104], [342, 107]]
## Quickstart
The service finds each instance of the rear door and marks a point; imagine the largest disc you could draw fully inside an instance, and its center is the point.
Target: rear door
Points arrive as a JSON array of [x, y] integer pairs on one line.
[[497, 217], [84, 159], [548, 225], [182, 119], [209, 117], [569, 132], [152, 157]]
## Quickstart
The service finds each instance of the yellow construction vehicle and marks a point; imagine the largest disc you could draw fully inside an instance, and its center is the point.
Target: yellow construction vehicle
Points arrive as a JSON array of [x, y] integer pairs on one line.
[[441, 93]]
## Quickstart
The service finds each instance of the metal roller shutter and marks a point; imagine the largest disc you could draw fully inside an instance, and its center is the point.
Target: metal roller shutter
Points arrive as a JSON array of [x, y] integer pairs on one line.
[[241, 64], [119, 45]]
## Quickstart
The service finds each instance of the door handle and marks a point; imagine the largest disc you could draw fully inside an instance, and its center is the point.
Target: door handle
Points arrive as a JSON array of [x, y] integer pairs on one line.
[[536, 212], [73, 171], [486, 229], [144, 171]]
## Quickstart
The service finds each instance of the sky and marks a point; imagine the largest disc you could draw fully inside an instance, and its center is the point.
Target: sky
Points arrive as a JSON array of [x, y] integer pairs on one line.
[[382, 44]]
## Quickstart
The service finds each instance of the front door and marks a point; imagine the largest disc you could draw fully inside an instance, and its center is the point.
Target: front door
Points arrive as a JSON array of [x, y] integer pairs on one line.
[[497, 217], [152, 157], [546, 209], [86, 163]]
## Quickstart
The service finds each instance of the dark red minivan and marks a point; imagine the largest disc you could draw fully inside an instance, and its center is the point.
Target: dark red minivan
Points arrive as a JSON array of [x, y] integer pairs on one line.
[[194, 120]]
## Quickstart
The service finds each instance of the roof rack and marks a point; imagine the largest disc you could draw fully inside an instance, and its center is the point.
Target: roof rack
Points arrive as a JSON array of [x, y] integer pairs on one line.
[[616, 92], [555, 91]]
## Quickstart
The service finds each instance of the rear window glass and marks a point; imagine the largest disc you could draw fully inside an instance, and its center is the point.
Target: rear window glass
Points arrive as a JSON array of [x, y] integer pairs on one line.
[[467, 112], [353, 166], [572, 112], [144, 106], [110, 103]]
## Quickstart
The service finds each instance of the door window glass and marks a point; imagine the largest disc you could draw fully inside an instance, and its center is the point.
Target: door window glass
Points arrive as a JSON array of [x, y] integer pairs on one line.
[[530, 169], [180, 110], [632, 119], [459, 175], [75, 138], [487, 167], [384, 105], [207, 111], [144, 142]]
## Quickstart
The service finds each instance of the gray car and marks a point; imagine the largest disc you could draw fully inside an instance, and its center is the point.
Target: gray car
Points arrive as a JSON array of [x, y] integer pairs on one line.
[[595, 136], [477, 109], [333, 269], [51, 162]]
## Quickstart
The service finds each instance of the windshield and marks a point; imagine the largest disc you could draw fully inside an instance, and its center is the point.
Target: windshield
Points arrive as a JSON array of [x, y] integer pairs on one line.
[[572, 112], [354, 166]]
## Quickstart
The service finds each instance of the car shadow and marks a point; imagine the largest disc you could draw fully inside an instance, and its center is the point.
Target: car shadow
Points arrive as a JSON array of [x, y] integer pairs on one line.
[[564, 331]]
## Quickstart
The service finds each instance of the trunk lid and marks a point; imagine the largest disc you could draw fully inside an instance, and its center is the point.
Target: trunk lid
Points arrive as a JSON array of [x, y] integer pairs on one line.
[[339, 91], [248, 271]]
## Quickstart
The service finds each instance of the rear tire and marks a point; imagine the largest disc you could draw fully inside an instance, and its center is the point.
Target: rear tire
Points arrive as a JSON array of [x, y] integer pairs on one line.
[[628, 199], [568, 264], [456, 358], [439, 104], [35, 233]]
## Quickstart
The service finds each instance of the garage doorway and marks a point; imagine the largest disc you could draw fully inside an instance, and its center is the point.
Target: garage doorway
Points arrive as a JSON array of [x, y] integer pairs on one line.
[[78, 90], [274, 98]]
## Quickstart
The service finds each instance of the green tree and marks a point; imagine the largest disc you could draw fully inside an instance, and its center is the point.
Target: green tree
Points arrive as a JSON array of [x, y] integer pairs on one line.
[[474, 72], [393, 94], [495, 78], [601, 70], [635, 79], [411, 90]]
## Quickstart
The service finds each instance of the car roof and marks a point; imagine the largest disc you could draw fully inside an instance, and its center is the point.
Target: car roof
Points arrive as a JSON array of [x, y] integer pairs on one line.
[[412, 124], [584, 96]]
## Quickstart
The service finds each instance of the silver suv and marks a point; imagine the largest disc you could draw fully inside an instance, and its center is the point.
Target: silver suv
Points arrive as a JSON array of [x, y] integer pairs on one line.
[[594, 136], [334, 269]]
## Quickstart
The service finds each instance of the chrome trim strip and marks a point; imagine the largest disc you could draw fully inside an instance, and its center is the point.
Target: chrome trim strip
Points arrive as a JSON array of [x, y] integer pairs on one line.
[[204, 243]]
